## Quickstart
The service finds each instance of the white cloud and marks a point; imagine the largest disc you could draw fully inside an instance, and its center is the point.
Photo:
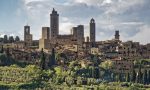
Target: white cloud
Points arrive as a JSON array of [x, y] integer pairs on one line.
[[65, 28], [122, 6], [28, 1], [132, 23], [108, 14], [106, 2], [143, 36], [90, 2], [2, 35]]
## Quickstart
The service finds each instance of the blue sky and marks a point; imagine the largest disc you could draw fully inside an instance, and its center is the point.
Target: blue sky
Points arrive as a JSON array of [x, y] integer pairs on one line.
[[131, 17]]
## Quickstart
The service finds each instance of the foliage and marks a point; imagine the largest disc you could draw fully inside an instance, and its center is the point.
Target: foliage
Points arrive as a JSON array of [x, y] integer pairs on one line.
[[107, 64], [43, 60], [7, 61], [52, 58]]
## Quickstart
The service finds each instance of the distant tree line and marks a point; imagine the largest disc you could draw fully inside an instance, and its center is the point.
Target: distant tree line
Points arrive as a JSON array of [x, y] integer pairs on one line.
[[9, 39]]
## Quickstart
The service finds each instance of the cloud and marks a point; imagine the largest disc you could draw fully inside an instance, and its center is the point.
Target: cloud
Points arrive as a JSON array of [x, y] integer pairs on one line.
[[128, 16], [143, 35]]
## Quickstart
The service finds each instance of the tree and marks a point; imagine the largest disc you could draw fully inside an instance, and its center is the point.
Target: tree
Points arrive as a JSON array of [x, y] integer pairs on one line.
[[148, 77], [11, 39], [139, 75], [91, 71], [72, 64], [17, 39], [7, 52], [120, 77], [128, 77], [69, 80], [58, 71], [42, 62], [145, 78], [108, 64], [2, 49], [5, 39], [133, 76], [79, 81], [52, 58]]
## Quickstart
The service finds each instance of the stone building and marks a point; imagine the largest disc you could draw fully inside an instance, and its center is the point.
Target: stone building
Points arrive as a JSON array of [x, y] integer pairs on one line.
[[122, 66], [54, 24], [27, 36], [92, 31], [117, 36], [44, 41], [53, 37]]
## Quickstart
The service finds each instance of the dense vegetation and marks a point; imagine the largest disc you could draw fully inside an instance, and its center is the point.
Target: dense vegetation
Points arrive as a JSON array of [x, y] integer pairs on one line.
[[32, 77], [69, 76]]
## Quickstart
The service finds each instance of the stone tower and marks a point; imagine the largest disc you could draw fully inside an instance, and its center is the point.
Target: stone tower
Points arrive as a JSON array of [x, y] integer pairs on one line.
[[44, 41], [54, 24], [45, 33], [117, 36], [26, 31], [92, 30], [27, 36]]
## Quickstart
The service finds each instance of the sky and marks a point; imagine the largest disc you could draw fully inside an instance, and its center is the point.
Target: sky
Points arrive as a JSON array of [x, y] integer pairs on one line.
[[130, 17]]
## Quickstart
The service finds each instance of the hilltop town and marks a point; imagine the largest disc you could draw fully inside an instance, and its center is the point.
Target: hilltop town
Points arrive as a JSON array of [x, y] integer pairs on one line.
[[110, 60]]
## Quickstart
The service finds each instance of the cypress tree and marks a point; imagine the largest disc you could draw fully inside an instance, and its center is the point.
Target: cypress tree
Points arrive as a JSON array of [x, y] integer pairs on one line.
[[148, 77], [42, 63], [112, 76], [145, 78], [128, 77], [2, 49], [7, 52], [52, 58], [139, 77], [120, 77], [133, 76]]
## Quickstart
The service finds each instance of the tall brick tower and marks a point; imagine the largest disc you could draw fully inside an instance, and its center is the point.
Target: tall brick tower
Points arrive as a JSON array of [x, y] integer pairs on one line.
[[54, 24], [92, 32], [117, 36], [27, 36]]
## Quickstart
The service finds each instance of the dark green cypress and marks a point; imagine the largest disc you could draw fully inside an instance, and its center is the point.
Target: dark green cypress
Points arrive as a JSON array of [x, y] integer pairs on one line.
[[145, 78], [120, 77], [42, 63], [128, 77], [2, 49], [7, 52], [53, 56], [139, 77], [133, 76], [148, 78]]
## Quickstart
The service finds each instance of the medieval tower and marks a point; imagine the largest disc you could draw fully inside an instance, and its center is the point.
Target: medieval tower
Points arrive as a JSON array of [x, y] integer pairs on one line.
[[117, 36], [92, 30], [54, 24], [27, 36]]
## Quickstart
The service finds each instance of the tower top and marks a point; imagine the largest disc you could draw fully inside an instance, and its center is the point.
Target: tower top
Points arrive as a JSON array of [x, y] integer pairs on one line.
[[117, 36], [92, 21], [117, 32], [54, 11]]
